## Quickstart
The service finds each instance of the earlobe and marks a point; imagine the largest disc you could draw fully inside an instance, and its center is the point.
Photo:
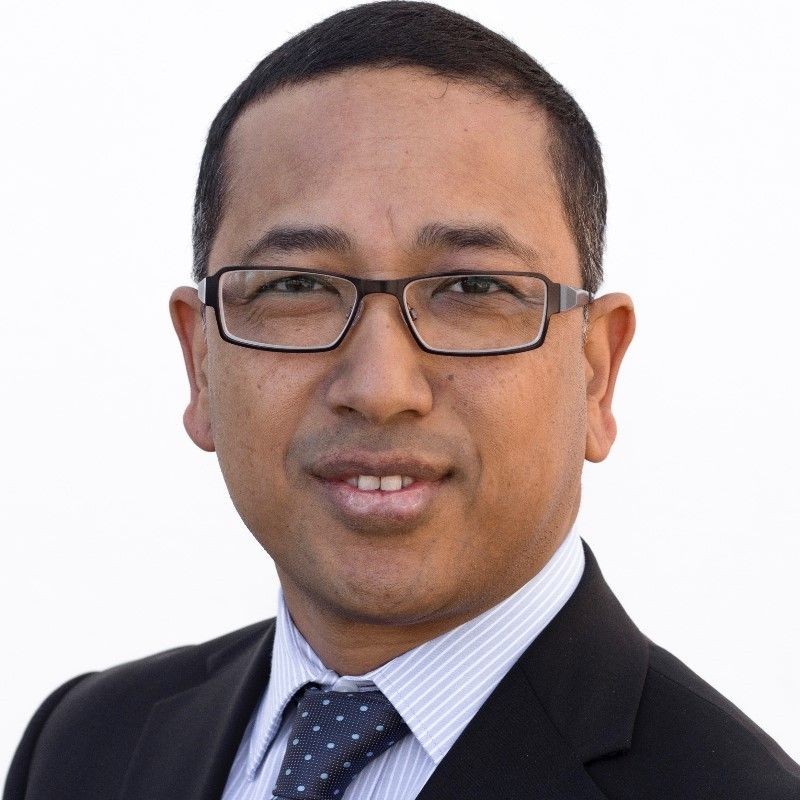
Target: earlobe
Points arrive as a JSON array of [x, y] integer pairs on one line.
[[611, 326], [186, 312]]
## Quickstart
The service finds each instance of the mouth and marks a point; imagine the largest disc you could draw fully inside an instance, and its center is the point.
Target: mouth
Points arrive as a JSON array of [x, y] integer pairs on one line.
[[381, 491]]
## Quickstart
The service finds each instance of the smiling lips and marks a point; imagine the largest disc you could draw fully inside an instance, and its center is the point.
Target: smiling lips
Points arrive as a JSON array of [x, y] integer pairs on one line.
[[384, 488]]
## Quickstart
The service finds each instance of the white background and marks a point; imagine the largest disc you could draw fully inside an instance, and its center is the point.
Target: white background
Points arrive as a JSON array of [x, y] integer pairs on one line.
[[118, 536]]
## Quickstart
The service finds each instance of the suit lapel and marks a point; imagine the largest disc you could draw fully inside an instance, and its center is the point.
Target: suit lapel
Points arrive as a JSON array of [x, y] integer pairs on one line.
[[588, 668], [572, 697], [187, 747], [511, 750]]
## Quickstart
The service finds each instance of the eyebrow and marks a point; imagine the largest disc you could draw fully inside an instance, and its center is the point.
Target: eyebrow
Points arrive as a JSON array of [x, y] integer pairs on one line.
[[302, 240], [433, 236], [438, 235]]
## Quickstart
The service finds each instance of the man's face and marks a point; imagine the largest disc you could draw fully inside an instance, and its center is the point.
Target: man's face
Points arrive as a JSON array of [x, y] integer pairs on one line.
[[495, 443]]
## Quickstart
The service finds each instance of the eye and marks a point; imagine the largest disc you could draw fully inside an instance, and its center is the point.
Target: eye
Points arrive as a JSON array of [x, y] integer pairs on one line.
[[294, 284], [476, 284]]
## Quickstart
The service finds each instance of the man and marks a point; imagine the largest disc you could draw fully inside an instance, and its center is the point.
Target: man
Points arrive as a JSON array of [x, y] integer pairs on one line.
[[397, 354]]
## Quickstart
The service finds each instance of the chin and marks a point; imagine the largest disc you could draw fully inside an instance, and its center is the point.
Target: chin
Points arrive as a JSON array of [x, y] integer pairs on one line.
[[406, 611], [408, 600]]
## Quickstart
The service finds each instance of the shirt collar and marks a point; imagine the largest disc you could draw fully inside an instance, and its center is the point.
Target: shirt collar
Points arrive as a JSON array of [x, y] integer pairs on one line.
[[438, 686]]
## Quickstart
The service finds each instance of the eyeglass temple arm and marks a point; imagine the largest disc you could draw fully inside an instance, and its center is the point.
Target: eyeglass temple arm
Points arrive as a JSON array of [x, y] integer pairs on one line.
[[201, 291], [572, 298]]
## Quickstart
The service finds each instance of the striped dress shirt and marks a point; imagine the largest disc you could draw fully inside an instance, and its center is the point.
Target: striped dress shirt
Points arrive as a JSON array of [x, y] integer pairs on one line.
[[437, 687]]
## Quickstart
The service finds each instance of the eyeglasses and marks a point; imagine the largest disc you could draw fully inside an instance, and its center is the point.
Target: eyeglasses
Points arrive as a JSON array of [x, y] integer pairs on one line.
[[450, 313]]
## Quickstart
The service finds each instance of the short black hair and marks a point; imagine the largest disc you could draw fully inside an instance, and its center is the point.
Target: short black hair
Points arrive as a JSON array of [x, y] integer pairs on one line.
[[398, 33]]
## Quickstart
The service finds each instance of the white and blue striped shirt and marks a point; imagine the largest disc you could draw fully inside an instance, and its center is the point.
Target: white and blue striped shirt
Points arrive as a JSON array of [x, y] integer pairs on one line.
[[437, 687]]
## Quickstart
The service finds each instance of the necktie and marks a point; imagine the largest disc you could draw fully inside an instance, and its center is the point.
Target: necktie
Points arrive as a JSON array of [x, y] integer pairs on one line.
[[334, 736]]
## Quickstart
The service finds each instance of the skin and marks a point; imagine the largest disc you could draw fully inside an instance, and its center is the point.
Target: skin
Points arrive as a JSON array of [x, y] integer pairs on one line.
[[380, 154]]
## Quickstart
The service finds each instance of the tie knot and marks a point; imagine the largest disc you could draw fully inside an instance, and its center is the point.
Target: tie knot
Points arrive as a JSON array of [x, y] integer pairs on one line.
[[334, 736]]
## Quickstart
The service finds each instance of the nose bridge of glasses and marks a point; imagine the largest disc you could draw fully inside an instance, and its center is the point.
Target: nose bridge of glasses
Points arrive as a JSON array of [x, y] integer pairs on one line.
[[382, 286], [376, 287]]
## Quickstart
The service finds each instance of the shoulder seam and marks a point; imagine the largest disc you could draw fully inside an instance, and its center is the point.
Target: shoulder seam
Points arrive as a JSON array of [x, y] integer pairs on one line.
[[727, 713]]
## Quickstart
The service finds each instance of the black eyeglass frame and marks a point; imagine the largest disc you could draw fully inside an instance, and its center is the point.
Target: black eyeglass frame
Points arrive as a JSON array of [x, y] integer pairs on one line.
[[559, 298]]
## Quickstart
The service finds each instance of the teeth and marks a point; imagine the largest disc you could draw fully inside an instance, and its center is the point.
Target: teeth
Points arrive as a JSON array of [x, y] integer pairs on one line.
[[369, 482], [386, 483]]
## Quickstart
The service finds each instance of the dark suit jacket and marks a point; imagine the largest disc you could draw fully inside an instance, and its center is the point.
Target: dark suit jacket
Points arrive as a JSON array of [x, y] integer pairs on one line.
[[591, 710]]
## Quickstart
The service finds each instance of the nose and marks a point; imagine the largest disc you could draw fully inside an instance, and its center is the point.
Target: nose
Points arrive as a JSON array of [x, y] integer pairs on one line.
[[379, 371]]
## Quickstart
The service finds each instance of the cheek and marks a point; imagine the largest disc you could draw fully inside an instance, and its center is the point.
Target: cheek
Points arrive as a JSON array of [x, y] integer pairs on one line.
[[530, 426], [255, 400]]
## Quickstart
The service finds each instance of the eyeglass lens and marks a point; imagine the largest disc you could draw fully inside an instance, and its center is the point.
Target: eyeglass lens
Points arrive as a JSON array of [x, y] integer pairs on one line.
[[457, 313]]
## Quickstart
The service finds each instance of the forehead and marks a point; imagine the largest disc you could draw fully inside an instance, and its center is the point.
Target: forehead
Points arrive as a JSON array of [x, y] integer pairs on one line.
[[381, 153]]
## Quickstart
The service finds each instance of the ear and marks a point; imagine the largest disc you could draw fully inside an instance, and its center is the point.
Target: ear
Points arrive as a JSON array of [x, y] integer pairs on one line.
[[187, 318], [611, 326]]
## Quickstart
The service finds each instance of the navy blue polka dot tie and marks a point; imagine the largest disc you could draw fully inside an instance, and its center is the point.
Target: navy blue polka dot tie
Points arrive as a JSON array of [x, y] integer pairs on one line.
[[334, 736]]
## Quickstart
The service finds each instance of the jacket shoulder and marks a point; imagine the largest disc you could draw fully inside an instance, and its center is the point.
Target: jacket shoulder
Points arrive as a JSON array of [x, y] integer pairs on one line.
[[112, 705], [691, 742], [137, 684]]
